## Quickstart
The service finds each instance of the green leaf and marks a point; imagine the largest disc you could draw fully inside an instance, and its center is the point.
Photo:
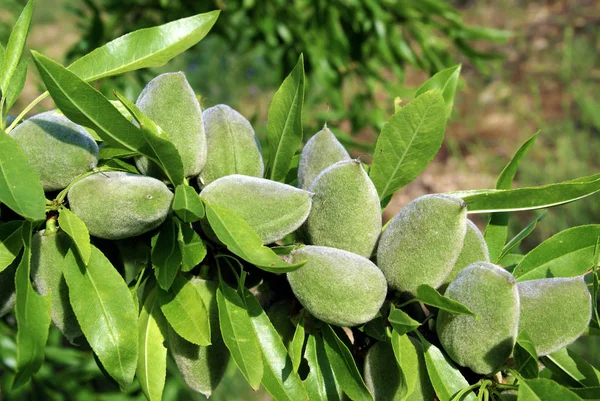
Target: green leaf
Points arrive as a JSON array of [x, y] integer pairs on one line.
[[577, 370], [401, 322], [497, 228], [15, 86], [20, 187], [15, 47], [516, 240], [166, 254], [447, 381], [298, 344], [408, 362], [76, 229], [529, 198], [344, 367], [241, 239], [32, 312], [11, 242], [84, 105], [187, 205], [284, 123], [106, 152], [144, 48], [544, 390], [279, 378], [185, 311], [238, 335], [105, 311], [169, 159], [525, 356], [566, 254], [193, 250], [320, 384], [408, 142], [152, 361], [446, 81], [430, 296]]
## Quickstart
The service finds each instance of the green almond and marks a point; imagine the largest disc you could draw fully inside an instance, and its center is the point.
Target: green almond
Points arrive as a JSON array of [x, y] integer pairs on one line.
[[474, 250], [116, 205], [554, 311], [336, 286], [320, 152], [346, 213], [232, 145], [421, 244], [170, 102], [382, 375], [47, 255], [485, 342], [202, 368], [271, 208], [57, 149]]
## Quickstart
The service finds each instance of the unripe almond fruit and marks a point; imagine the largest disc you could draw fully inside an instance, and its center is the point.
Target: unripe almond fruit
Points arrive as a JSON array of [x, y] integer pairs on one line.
[[485, 342], [421, 244], [554, 311], [474, 250], [232, 145], [56, 148], [170, 102], [382, 375], [271, 208], [346, 213], [320, 152], [336, 286], [116, 205], [202, 368], [47, 255]]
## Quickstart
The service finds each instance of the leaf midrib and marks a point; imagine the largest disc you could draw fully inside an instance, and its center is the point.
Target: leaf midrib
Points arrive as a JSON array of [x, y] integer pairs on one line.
[[285, 126]]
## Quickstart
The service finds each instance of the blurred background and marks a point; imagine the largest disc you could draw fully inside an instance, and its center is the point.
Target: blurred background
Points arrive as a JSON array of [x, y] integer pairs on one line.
[[526, 66]]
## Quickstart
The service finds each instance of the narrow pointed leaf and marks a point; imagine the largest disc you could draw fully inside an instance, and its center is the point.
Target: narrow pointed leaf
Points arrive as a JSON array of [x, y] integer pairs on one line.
[[32, 312], [76, 229], [297, 344], [193, 250], [15, 47], [15, 86], [152, 361], [497, 228], [244, 241], [344, 366], [166, 254], [11, 242], [408, 142], [185, 311], [84, 105], [401, 322], [447, 381], [187, 205], [566, 254], [284, 124], [578, 371], [408, 360], [525, 356], [524, 233], [446, 81], [144, 48], [320, 384], [430, 296], [168, 156], [20, 187], [105, 311], [544, 390], [279, 377], [239, 336], [529, 198]]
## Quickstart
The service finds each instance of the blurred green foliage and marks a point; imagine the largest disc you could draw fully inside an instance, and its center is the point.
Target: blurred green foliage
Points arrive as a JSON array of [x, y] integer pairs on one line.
[[354, 49]]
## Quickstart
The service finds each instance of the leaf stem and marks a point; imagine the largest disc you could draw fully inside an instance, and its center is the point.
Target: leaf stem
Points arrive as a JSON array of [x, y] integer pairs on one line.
[[26, 110]]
